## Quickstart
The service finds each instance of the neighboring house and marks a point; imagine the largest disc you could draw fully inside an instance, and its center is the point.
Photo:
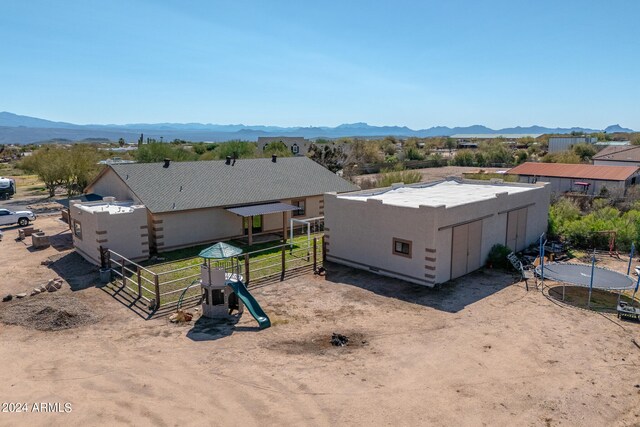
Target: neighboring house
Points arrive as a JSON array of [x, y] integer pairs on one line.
[[115, 161], [564, 143], [191, 203], [431, 233], [297, 145], [618, 156], [588, 179]]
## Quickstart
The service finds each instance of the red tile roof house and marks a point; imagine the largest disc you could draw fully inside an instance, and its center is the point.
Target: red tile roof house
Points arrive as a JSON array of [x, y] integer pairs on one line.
[[589, 179]]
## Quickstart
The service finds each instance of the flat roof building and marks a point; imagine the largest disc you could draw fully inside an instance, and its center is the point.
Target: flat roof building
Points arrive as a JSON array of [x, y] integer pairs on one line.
[[431, 233]]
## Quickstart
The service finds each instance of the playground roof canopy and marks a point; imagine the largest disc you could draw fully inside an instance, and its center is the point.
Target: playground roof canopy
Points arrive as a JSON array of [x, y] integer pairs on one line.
[[220, 251]]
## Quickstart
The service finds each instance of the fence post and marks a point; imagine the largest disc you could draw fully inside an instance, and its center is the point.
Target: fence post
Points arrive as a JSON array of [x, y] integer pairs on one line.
[[324, 251], [156, 281], [315, 254], [102, 257], [246, 269], [139, 284], [284, 253], [124, 278]]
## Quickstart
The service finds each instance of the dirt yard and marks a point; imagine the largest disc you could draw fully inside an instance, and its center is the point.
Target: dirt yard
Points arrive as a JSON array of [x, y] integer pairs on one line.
[[480, 351], [435, 174]]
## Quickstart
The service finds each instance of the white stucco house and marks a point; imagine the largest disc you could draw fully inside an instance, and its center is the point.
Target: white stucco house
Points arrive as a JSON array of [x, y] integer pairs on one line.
[[432, 233]]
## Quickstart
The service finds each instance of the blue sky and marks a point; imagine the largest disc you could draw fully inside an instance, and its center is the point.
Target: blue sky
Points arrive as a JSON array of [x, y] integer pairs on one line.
[[302, 63]]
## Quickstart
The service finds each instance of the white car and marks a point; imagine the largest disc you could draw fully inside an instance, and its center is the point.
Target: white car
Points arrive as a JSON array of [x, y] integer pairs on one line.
[[21, 218]]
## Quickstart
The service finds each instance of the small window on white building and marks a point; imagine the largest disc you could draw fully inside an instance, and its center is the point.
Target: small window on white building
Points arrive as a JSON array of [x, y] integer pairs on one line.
[[77, 229], [402, 247]]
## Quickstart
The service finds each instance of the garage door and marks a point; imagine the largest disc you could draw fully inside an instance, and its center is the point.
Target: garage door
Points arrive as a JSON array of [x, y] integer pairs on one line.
[[517, 229], [465, 248]]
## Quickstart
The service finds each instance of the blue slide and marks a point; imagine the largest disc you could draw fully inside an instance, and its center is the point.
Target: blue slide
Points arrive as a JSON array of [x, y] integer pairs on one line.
[[250, 302]]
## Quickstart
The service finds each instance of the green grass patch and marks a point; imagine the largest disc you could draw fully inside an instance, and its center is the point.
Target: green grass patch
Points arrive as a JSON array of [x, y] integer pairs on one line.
[[266, 262]]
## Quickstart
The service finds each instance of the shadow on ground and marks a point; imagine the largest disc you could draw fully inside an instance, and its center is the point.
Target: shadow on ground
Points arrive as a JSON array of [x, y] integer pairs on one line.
[[75, 270], [451, 296], [205, 329]]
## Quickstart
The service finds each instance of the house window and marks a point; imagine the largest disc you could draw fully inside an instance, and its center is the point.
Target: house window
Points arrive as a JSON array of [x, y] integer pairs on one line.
[[295, 149], [402, 247], [301, 204], [77, 229]]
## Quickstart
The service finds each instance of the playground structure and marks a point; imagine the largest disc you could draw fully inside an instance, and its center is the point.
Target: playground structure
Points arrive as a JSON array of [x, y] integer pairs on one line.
[[223, 289]]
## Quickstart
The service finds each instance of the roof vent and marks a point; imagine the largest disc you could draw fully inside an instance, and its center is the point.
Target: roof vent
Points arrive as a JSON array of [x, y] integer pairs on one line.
[[228, 161], [274, 158], [167, 162]]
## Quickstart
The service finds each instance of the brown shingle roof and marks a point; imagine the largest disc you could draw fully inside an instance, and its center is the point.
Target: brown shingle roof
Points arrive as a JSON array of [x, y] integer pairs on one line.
[[620, 154], [565, 170]]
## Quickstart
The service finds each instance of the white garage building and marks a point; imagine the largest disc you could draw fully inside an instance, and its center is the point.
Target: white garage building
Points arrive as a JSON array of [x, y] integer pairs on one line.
[[431, 233]]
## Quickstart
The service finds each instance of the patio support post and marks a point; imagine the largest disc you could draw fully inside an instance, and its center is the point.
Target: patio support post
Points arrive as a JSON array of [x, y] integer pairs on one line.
[[284, 227], [250, 228]]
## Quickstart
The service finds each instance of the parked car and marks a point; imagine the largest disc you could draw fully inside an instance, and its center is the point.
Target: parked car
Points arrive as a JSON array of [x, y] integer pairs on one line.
[[21, 218]]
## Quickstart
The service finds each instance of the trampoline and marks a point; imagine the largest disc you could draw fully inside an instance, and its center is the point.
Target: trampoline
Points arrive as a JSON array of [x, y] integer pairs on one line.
[[580, 275]]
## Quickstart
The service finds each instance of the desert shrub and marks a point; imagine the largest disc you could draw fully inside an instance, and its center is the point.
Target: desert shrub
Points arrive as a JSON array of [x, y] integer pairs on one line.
[[397, 175], [463, 158], [498, 256]]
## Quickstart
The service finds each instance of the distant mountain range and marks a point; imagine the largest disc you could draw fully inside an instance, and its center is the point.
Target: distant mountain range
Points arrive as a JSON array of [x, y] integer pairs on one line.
[[18, 129]]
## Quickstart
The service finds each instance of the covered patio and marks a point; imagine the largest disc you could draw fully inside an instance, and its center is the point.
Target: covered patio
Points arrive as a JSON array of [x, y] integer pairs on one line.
[[249, 213]]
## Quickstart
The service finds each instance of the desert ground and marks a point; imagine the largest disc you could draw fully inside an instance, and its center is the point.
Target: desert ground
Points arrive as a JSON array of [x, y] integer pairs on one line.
[[479, 351], [435, 174]]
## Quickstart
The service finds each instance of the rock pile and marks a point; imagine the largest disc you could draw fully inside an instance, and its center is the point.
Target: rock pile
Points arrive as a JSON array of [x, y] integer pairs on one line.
[[56, 312], [51, 286]]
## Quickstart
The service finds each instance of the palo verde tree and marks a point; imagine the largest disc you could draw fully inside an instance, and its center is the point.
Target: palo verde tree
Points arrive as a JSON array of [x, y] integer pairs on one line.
[[50, 164], [72, 168]]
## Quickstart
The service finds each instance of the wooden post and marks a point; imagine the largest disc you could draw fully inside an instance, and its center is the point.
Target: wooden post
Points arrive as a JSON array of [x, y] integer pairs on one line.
[[124, 278], [324, 251], [103, 261], [315, 254], [250, 229], [139, 283], [284, 227], [284, 254], [246, 269], [156, 281]]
